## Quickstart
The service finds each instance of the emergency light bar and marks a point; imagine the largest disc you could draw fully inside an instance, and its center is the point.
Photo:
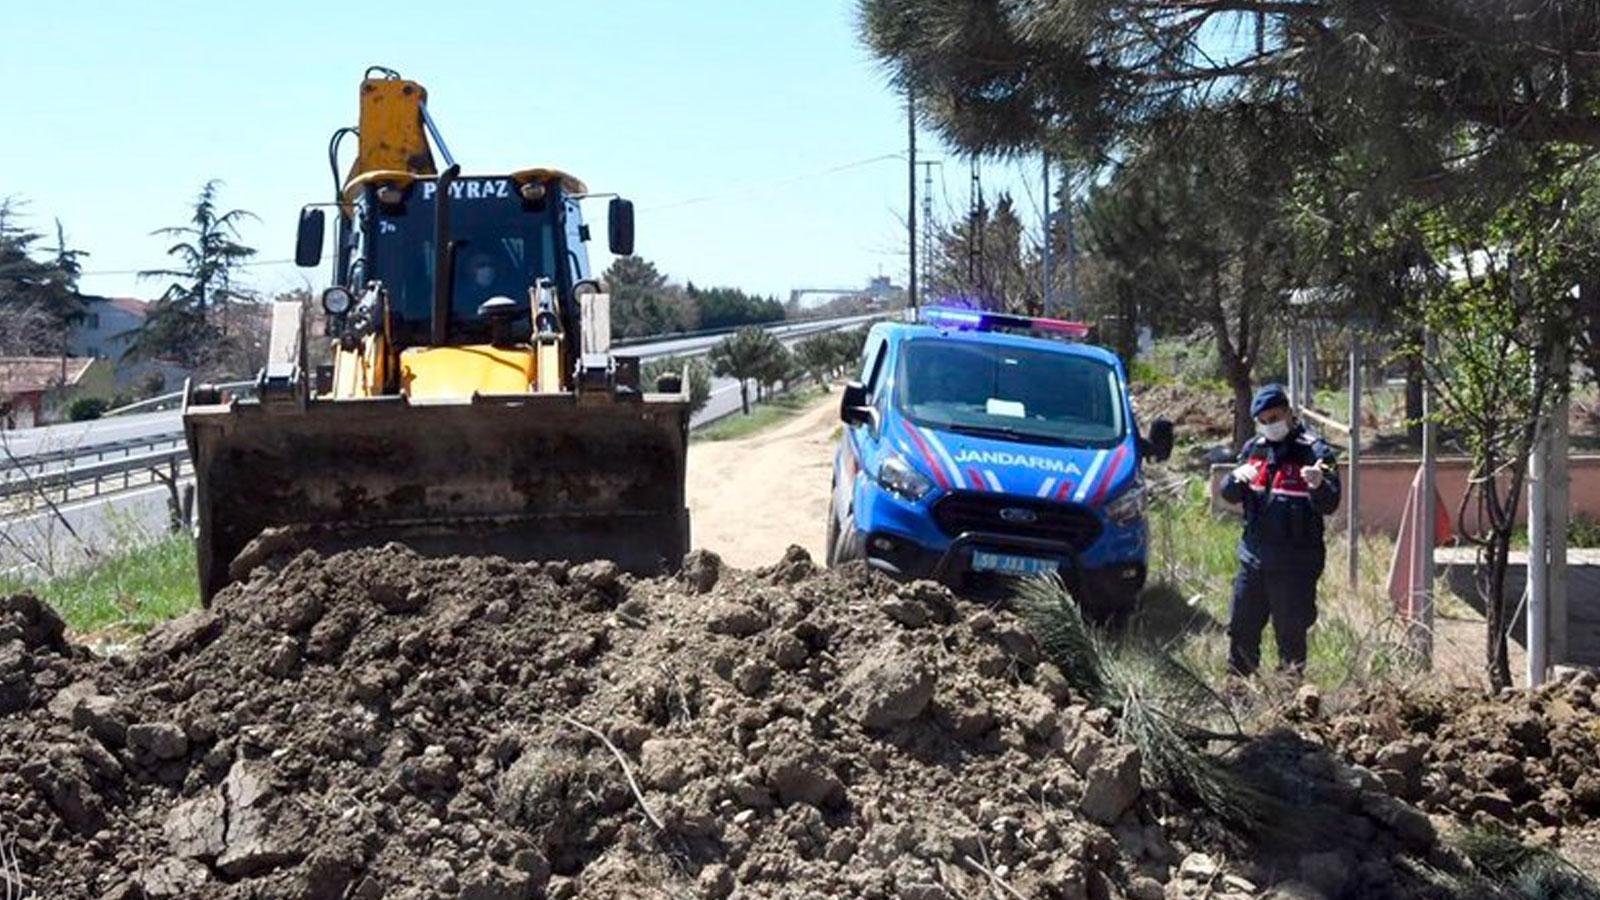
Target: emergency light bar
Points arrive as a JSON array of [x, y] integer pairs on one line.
[[985, 320]]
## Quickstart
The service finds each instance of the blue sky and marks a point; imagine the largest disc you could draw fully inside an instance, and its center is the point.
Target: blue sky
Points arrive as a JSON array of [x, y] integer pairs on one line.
[[717, 118]]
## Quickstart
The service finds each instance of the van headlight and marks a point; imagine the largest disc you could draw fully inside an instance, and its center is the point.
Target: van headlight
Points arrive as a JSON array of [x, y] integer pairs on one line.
[[1128, 508], [897, 476]]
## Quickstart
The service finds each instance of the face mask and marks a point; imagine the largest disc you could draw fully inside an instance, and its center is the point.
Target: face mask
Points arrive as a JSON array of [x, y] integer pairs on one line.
[[484, 277], [1277, 431]]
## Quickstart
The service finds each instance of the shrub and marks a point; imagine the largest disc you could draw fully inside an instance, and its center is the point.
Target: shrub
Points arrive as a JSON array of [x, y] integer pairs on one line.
[[85, 408]]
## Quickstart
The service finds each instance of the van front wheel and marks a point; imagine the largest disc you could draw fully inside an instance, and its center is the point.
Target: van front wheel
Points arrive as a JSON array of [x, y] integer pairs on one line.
[[844, 545]]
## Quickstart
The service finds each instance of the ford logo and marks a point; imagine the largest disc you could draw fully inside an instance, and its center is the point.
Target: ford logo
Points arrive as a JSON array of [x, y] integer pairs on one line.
[[1019, 516]]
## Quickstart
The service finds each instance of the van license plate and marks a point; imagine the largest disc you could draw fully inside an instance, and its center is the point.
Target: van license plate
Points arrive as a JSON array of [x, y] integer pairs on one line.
[[1011, 565]]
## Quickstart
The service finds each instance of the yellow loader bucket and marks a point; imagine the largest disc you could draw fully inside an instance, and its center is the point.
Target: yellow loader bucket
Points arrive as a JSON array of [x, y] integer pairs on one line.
[[563, 476]]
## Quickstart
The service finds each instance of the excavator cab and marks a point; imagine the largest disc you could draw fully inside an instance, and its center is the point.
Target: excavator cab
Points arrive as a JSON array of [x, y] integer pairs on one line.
[[472, 405]]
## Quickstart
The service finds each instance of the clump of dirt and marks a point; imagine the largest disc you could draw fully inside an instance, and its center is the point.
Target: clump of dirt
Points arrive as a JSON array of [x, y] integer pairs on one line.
[[1525, 759], [376, 724]]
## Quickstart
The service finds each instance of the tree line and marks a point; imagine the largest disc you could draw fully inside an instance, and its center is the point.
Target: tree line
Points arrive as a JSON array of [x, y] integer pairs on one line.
[[645, 302]]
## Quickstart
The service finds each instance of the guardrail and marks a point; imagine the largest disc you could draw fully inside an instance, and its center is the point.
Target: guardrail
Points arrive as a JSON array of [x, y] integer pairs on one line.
[[172, 400], [109, 476], [823, 324], [20, 465]]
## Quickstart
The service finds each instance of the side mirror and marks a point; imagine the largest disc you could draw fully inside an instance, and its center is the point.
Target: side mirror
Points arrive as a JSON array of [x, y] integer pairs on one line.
[[853, 406], [619, 221], [1159, 444], [308, 241]]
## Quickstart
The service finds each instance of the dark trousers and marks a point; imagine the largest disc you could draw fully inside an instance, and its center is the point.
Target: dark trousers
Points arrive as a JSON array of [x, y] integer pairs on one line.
[[1288, 599]]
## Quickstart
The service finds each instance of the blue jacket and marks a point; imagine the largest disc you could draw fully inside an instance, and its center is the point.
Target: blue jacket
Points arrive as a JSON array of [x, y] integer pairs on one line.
[[1282, 515]]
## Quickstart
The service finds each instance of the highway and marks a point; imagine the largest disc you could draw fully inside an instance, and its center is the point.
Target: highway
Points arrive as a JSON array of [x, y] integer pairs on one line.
[[26, 442], [42, 540]]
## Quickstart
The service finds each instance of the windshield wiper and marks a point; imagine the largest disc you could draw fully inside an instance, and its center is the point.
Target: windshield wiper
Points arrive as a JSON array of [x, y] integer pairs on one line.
[[1009, 434]]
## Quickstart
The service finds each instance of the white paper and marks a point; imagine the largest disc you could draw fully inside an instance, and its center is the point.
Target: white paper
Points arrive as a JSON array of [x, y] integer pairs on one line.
[[1012, 408]]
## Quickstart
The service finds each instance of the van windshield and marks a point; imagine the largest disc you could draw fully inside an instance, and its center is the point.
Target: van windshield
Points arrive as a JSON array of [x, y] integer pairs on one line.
[[1011, 393]]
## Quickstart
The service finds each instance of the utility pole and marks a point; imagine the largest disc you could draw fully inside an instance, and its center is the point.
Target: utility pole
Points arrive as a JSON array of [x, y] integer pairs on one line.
[[1422, 552], [1538, 620], [1073, 300], [975, 229], [1548, 514], [1352, 486], [1559, 506], [1049, 269], [927, 221], [911, 192]]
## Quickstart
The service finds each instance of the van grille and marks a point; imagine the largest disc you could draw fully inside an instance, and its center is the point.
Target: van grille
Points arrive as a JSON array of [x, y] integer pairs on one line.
[[965, 511]]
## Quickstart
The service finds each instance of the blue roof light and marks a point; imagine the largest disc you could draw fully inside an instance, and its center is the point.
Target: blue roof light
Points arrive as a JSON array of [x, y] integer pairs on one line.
[[952, 318], [984, 320]]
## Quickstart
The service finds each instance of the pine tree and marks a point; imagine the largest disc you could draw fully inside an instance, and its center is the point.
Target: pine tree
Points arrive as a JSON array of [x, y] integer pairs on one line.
[[39, 300], [184, 324]]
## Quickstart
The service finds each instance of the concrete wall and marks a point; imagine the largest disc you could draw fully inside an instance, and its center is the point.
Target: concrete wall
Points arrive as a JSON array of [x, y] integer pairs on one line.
[[1386, 482]]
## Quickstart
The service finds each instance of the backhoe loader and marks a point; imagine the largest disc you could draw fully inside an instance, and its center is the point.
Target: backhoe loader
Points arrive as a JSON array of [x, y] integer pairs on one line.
[[472, 404]]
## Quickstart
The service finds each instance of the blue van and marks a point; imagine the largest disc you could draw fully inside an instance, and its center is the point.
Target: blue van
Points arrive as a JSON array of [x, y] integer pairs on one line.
[[980, 446]]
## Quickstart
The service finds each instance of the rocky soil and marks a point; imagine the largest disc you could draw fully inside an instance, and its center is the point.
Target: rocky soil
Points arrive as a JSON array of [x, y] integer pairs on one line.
[[1529, 760], [376, 725]]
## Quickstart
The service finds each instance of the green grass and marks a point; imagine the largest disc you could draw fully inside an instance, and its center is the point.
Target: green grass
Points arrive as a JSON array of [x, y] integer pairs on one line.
[[129, 591], [762, 416]]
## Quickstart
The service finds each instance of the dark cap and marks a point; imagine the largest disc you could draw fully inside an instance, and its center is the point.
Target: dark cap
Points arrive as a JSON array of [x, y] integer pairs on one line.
[[1269, 396]]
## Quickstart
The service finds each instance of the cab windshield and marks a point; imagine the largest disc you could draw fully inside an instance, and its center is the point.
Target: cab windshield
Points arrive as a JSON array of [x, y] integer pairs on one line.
[[503, 247], [1011, 393]]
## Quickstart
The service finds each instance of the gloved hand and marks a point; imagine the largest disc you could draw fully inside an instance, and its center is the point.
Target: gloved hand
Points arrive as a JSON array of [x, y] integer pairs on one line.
[[1312, 475], [1246, 473]]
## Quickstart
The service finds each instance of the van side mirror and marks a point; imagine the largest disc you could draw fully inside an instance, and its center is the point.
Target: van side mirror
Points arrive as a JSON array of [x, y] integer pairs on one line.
[[308, 241], [619, 226], [853, 406], [1159, 445]]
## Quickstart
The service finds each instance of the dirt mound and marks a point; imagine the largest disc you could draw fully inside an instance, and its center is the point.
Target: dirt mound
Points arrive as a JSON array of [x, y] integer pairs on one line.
[[1529, 759], [375, 725], [1197, 413]]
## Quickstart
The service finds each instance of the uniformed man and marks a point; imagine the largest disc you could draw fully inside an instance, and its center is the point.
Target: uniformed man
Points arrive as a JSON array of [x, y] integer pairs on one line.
[[1287, 482]]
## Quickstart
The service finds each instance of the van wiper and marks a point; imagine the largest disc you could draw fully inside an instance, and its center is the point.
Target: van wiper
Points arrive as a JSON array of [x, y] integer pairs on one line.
[[1007, 434]]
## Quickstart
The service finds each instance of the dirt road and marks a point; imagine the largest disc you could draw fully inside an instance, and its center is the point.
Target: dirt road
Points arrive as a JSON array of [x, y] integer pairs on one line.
[[749, 499]]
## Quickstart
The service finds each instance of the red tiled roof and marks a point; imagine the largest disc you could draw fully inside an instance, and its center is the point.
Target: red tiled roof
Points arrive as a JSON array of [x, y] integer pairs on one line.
[[29, 374]]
